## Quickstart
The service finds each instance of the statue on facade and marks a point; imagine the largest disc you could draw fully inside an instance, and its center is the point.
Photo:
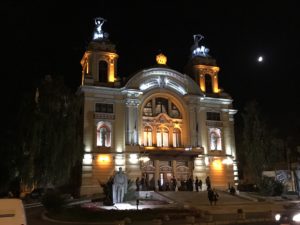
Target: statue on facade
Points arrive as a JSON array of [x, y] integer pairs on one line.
[[98, 33], [119, 186]]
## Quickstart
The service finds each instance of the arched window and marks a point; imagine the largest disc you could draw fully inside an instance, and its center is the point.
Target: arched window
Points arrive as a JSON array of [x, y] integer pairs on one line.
[[103, 71], [176, 138], [208, 84], [162, 137], [103, 136], [147, 136]]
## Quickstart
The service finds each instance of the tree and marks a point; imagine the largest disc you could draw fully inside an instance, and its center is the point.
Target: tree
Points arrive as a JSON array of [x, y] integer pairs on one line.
[[260, 148], [50, 134]]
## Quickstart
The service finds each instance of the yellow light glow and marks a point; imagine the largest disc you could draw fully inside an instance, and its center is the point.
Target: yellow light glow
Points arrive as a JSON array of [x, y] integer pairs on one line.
[[217, 164], [103, 159], [161, 59], [176, 125], [111, 76]]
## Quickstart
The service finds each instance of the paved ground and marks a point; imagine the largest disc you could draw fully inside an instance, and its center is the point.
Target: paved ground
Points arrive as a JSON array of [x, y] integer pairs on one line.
[[225, 212]]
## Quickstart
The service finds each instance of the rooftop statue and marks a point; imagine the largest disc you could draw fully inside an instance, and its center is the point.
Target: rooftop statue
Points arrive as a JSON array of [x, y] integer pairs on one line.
[[98, 33], [196, 50]]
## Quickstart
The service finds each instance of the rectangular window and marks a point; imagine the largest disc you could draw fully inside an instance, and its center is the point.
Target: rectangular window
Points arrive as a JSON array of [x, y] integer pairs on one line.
[[213, 116], [104, 108]]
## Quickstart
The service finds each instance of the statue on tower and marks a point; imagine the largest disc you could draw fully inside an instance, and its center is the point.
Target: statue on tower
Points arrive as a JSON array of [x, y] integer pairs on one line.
[[98, 33], [196, 50]]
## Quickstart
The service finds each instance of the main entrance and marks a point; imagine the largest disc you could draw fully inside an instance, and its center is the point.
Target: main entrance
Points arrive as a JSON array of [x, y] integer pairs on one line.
[[161, 177]]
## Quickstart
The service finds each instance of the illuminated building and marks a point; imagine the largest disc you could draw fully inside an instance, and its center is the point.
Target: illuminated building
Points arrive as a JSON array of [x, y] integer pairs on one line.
[[160, 123]]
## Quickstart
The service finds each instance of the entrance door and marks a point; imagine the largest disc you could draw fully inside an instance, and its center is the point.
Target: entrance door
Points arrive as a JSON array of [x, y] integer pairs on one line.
[[165, 181], [150, 181]]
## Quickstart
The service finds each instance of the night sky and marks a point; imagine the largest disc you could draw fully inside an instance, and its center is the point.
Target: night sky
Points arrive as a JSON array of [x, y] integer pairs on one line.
[[50, 37]]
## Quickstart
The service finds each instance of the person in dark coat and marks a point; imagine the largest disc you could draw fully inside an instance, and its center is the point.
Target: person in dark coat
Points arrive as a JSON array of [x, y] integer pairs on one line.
[[215, 196], [197, 184], [210, 195], [208, 184], [137, 183], [200, 184]]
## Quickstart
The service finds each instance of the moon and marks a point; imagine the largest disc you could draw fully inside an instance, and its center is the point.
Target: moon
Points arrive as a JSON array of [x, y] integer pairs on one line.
[[260, 59]]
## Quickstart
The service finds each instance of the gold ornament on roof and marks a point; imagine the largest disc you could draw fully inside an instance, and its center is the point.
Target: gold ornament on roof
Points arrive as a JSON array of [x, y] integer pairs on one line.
[[161, 59]]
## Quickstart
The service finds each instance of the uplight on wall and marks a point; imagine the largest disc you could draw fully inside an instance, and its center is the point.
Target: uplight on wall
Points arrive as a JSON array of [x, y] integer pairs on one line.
[[133, 158], [227, 161], [119, 160], [206, 160], [87, 159], [144, 159]]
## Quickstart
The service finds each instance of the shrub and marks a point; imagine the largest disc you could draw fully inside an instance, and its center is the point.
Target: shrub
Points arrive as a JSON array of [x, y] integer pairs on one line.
[[53, 201], [270, 187]]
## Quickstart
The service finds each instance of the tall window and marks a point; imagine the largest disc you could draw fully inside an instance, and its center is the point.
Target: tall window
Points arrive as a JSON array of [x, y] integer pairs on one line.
[[162, 137], [176, 138], [215, 139], [103, 71], [213, 116], [147, 136], [104, 108], [103, 136]]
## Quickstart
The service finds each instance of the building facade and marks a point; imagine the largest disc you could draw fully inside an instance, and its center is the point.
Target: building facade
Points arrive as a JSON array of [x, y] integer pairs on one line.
[[159, 124]]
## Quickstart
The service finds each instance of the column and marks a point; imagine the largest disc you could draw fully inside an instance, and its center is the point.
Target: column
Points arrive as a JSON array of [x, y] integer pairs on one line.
[[156, 174]]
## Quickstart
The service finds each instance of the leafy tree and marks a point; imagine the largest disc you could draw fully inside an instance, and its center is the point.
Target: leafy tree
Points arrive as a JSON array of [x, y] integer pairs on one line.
[[260, 148], [50, 134]]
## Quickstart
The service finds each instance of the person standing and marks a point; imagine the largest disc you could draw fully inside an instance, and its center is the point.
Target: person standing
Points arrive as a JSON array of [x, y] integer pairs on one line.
[[200, 184], [174, 183], [137, 183], [215, 196], [210, 195], [208, 184], [197, 184]]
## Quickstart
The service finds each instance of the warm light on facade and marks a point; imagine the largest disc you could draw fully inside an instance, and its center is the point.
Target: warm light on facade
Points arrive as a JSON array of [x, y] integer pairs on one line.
[[217, 164], [176, 125], [103, 159], [111, 75]]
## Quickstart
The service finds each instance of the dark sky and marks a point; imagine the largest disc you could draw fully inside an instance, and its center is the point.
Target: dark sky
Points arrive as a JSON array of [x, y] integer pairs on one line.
[[50, 37]]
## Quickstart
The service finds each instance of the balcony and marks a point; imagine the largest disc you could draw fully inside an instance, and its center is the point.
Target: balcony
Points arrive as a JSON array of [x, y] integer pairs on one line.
[[172, 151]]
